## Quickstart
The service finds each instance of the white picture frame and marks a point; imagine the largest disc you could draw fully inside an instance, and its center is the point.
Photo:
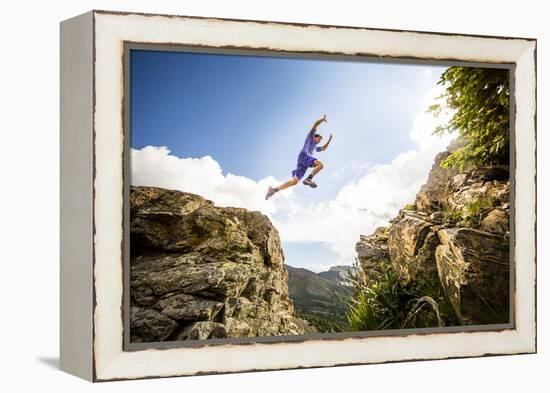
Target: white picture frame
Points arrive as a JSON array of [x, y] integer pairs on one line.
[[93, 196]]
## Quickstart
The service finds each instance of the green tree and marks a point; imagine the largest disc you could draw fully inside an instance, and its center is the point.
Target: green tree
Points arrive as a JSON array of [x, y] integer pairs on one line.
[[481, 100]]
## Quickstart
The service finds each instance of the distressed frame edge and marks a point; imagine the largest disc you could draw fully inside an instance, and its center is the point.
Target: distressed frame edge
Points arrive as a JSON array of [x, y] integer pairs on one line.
[[76, 196], [526, 122], [529, 348], [305, 24]]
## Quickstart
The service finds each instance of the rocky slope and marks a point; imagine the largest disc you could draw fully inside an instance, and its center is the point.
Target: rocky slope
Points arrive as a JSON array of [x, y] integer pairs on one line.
[[337, 274], [320, 296], [455, 235], [198, 271]]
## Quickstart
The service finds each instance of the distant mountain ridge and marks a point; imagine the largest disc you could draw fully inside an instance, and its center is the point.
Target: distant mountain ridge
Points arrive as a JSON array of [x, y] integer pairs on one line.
[[337, 274], [318, 296]]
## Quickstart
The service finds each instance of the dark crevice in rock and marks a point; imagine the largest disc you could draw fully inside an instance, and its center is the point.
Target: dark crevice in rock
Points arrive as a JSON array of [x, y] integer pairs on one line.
[[421, 239]]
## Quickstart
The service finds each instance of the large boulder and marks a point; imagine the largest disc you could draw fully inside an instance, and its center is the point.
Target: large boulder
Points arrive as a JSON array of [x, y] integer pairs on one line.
[[198, 271], [474, 270], [497, 222]]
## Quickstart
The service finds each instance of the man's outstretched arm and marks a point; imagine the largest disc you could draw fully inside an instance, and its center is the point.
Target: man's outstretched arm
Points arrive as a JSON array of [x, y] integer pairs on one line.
[[318, 122], [325, 146]]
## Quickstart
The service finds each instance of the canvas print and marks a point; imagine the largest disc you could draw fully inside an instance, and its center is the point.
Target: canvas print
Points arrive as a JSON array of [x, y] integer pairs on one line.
[[275, 196]]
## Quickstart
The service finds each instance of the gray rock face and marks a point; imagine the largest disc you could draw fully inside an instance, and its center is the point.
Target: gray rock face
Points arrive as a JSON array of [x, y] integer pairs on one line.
[[371, 251], [198, 271], [433, 195], [411, 244], [188, 308], [474, 270], [466, 195], [203, 330], [450, 189], [456, 236], [150, 325]]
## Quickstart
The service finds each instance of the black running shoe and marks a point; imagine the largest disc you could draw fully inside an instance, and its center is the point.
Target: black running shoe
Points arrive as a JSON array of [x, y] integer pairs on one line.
[[309, 182], [270, 193]]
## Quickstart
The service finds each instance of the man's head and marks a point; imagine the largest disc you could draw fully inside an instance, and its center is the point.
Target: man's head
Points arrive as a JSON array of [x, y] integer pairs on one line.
[[317, 138]]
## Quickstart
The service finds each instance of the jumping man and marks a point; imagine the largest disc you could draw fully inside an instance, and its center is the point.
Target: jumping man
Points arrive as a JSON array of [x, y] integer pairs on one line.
[[305, 160]]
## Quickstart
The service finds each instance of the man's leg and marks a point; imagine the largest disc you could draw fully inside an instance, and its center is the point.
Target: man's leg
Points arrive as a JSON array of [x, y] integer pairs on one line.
[[286, 184], [317, 166]]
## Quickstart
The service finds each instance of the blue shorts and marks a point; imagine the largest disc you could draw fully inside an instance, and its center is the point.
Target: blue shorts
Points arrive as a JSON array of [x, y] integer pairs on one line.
[[304, 161]]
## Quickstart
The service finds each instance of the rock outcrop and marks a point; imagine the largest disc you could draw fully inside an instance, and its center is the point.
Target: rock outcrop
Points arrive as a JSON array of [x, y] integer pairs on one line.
[[474, 270], [372, 251], [411, 244], [455, 235], [198, 271]]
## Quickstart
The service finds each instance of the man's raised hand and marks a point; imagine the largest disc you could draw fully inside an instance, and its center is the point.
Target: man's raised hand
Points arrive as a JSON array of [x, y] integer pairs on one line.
[[318, 122]]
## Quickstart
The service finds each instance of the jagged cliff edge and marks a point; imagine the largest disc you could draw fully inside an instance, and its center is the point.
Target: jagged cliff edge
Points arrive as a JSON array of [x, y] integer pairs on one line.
[[456, 235], [198, 271]]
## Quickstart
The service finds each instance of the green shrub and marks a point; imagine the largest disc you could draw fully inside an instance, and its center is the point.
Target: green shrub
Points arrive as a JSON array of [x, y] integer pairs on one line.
[[452, 216], [388, 304], [476, 210]]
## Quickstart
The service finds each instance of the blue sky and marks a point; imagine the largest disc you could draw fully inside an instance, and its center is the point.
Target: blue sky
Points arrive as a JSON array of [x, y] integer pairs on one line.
[[251, 114]]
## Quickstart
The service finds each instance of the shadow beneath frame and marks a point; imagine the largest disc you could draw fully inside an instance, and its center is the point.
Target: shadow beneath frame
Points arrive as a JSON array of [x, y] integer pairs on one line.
[[52, 362]]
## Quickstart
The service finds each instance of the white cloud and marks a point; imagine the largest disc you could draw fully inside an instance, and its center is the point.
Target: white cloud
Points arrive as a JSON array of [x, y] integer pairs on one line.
[[424, 123], [318, 268], [155, 166], [372, 199]]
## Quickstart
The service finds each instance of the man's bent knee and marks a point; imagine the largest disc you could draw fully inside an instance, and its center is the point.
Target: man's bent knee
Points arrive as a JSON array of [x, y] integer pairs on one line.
[[319, 164], [294, 181]]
